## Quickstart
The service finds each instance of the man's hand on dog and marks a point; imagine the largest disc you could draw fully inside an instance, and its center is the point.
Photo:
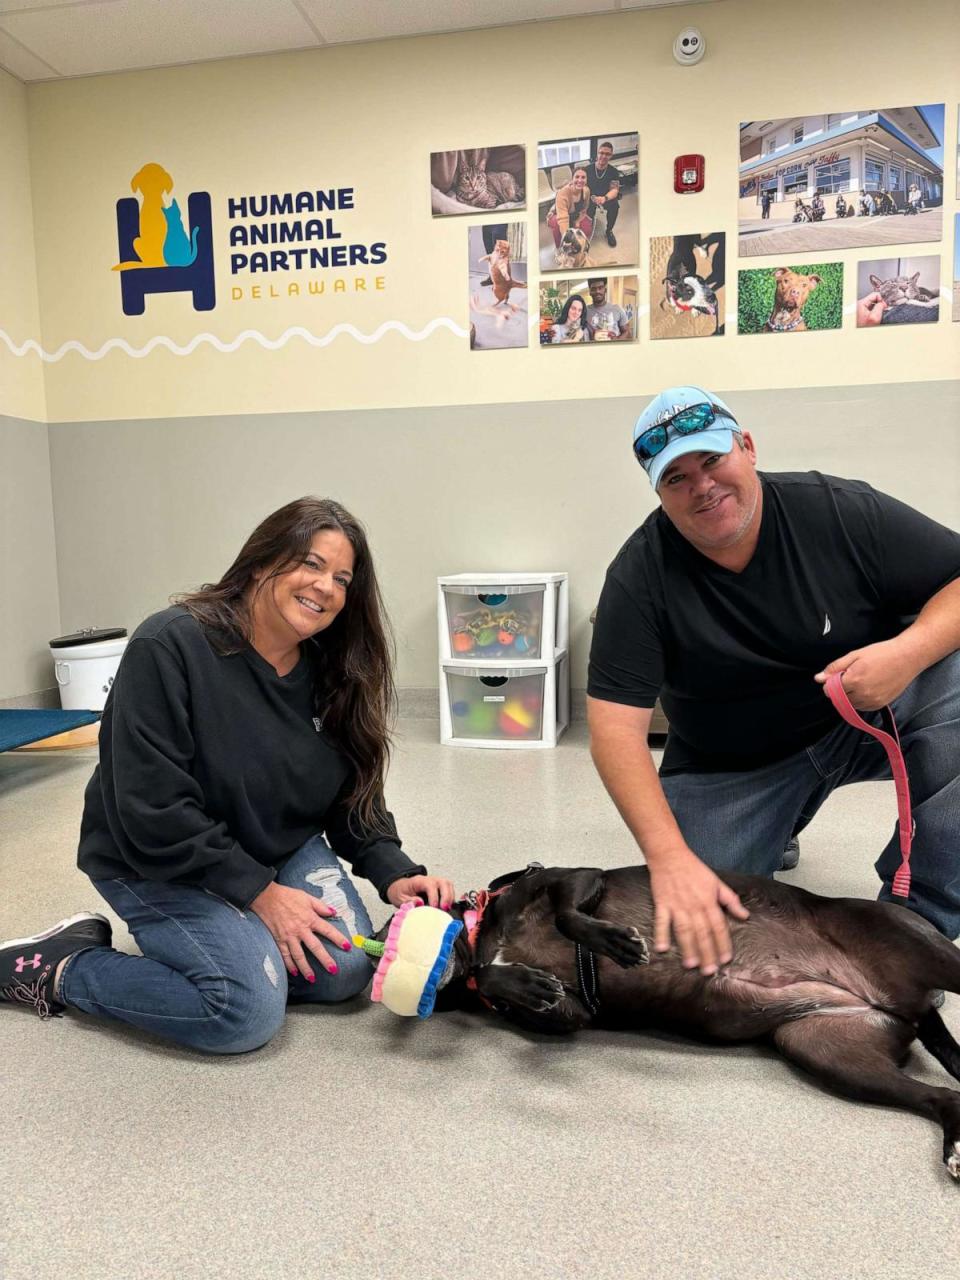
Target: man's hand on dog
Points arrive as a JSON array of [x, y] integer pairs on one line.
[[432, 890], [873, 676], [691, 903]]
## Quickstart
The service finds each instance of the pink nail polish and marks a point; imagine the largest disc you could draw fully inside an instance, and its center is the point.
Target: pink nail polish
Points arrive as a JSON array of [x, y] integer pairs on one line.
[[311, 977], [334, 968], [445, 906], [347, 946]]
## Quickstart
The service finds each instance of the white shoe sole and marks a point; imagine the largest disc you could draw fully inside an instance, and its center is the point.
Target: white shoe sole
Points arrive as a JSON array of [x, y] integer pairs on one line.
[[57, 928]]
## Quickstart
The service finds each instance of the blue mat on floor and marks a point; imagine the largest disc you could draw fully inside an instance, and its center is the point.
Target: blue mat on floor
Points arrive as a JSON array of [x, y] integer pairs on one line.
[[17, 728]]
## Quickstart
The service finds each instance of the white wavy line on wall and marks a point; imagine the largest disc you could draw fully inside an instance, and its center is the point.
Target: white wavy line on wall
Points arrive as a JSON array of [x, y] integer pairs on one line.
[[248, 335]]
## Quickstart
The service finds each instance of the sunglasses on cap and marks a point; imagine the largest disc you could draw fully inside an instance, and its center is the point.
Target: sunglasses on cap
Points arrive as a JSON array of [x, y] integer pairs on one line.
[[698, 417]]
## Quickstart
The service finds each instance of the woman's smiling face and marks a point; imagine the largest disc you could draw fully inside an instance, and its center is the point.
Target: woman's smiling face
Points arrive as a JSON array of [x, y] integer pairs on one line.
[[306, 599]]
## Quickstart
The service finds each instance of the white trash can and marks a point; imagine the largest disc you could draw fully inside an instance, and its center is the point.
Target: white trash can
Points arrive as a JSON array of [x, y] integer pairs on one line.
[[85, 663]]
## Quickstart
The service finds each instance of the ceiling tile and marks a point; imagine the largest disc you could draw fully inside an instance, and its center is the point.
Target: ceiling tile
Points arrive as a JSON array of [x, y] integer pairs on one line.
[[20, 62], [340, 22], [120, 35]]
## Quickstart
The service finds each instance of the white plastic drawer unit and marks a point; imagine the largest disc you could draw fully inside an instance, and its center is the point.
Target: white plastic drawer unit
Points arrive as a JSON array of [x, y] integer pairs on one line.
[[493, 618], [504, 706]]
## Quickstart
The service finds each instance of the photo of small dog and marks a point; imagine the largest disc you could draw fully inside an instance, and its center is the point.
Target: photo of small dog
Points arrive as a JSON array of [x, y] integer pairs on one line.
[[687, 286]]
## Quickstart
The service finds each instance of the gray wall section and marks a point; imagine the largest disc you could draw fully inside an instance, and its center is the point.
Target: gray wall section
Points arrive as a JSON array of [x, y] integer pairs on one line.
[[29, 604], [146, 509]]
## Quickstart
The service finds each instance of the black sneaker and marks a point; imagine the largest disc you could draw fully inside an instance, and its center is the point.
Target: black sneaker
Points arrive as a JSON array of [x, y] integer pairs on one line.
[[28, 965], [611, 240], [791, 855]]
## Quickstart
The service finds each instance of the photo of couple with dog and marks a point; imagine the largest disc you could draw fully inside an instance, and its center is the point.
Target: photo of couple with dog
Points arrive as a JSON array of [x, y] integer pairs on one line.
[[734, 603], [588, 206]]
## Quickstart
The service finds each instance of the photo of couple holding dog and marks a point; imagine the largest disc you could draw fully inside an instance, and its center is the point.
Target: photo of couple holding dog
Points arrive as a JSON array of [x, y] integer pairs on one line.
[[588, 202]]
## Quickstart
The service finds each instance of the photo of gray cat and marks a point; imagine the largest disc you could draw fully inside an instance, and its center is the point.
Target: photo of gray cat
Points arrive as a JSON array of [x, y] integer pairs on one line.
[[477, 180], [898, 291]]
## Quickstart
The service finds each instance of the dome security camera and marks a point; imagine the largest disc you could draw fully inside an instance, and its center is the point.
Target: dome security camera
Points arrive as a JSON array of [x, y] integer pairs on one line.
[[689, 47]]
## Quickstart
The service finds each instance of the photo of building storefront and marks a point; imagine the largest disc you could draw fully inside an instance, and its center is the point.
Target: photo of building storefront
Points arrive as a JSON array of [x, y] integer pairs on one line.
[[846, 179]]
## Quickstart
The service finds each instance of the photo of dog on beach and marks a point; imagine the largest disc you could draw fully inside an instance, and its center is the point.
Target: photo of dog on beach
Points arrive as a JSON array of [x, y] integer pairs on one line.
[[497, 285], [687, 285], [796, 299], [588, 202]]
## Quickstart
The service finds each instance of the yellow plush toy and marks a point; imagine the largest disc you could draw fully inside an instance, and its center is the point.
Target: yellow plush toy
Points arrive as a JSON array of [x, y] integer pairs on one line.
[[412, 959]]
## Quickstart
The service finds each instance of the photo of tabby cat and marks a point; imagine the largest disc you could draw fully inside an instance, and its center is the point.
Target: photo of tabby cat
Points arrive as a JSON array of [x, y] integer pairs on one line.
[[481, 178]]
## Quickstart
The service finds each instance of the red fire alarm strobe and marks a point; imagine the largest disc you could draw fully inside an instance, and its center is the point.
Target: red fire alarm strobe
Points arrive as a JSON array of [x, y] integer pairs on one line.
[[688, 174]]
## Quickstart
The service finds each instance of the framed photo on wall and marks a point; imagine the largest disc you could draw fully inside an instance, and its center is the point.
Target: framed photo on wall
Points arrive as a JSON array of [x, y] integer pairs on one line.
[[898, 291], [478, 180], [587, 199], [588, 310], [797, 299], [688, 285], [497, 285], [841, 179]]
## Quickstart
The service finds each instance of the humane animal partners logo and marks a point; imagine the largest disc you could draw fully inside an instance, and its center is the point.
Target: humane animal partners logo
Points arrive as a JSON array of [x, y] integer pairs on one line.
[[161, 251], [158, 253]]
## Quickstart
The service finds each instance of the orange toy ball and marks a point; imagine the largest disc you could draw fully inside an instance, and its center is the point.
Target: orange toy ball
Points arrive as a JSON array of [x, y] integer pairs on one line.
[[505, 637], [462, 642], [532, 702]]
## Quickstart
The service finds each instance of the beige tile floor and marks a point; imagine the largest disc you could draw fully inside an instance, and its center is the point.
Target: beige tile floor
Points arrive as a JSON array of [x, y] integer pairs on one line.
[[357, 1145]]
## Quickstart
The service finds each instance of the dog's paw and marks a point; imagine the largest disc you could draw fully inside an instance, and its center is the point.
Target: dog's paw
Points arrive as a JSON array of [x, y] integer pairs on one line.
[[952, 1161], [544, 992], [624, 945]]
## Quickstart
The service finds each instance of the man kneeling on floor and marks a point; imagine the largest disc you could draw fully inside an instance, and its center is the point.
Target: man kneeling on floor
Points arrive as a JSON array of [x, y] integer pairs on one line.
[[732, 603]]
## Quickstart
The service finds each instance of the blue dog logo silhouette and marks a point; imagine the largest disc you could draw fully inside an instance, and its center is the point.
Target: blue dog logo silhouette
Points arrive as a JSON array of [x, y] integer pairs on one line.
[[157, 255]]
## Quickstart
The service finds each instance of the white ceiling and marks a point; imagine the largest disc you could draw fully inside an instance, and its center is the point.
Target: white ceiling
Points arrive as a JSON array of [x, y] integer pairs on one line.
[[41, 40]]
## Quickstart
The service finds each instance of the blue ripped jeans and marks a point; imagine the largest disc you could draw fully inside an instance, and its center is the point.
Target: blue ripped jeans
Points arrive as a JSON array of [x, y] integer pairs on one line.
[[742, 821], [210, 975]]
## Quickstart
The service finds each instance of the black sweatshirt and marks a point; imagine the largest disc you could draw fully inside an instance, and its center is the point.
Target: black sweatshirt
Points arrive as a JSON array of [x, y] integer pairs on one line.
[[732, 656], [213, 771]]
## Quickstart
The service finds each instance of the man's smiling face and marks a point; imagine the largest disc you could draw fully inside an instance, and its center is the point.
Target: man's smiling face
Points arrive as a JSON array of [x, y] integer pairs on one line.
[[713, 499]]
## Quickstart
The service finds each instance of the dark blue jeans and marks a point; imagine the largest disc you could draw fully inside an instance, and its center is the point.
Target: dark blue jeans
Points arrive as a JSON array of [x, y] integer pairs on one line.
[[210, 975], [742, 821]]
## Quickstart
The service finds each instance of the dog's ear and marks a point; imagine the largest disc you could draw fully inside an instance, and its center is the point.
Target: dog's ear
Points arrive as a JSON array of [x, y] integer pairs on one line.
[[780, 273], [814, 281]]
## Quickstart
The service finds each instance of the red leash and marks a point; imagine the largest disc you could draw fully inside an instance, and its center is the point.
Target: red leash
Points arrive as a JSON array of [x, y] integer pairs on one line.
[[891, 744]]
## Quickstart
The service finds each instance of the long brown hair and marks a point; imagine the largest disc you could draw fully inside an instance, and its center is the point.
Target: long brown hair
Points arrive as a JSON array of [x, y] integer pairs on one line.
[[354, 693]]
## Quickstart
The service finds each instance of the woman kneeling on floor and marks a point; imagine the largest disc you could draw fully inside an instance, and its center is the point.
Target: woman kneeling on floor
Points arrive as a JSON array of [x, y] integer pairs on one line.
[[243, 722]]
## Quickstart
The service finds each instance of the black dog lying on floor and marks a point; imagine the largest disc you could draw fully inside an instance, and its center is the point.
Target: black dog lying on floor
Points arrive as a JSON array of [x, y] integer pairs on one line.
[[841, 986]]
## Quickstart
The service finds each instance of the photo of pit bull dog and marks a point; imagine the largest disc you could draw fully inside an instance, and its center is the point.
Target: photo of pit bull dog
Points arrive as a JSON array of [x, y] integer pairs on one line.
[[790, 299], [841, 987], [687, 279]]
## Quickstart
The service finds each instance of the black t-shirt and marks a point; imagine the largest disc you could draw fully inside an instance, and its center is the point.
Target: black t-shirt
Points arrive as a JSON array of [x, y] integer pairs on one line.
[[213, 771], [600, 183], [732, 656]]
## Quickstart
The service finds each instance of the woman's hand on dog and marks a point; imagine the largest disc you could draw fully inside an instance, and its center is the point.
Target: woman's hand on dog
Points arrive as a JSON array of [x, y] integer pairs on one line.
[[433, 890], [297, 921], [692, 903]]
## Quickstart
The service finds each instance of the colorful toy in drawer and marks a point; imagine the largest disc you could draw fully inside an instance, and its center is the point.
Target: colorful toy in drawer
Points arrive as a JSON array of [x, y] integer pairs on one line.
[[462, 642], [486, 637], [505, 638], [413, 959], [518, 719]]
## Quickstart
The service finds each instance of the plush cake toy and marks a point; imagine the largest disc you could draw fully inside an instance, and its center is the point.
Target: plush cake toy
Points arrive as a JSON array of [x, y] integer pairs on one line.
[[413, 959]]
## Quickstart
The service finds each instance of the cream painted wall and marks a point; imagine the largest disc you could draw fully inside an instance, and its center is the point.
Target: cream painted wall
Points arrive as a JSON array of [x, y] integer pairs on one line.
[[21, 377], [148, 509], [30, 613], [367, 116]]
